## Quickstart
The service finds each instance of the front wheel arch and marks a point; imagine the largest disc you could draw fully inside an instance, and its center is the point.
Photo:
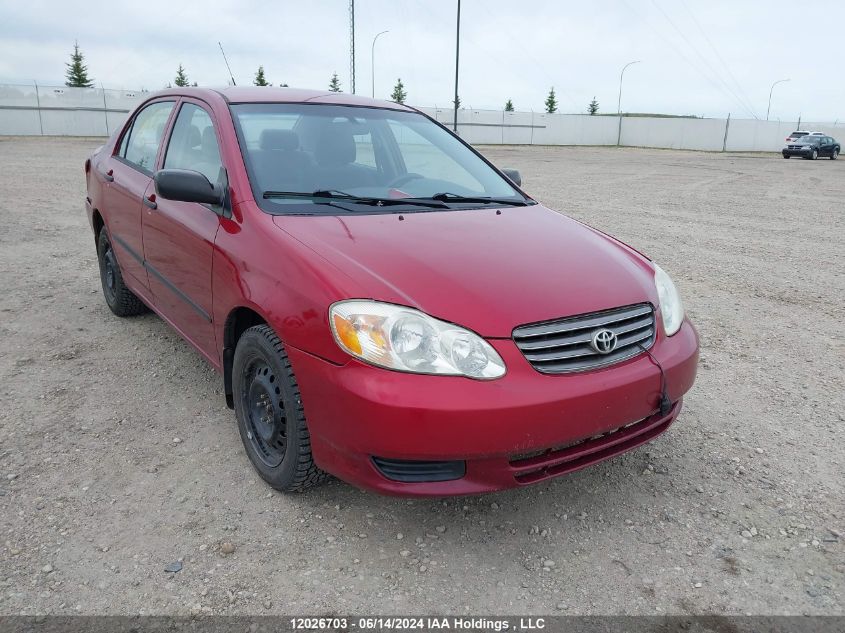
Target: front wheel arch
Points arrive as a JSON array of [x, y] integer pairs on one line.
[[239, 320]]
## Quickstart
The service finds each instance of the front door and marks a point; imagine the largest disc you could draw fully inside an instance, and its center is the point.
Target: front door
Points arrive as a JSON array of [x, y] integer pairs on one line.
[[179, 236], [128, 173], [827, 144]]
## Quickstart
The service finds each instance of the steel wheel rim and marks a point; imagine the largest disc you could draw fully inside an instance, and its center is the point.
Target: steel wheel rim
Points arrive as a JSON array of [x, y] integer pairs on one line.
[[264, 412]]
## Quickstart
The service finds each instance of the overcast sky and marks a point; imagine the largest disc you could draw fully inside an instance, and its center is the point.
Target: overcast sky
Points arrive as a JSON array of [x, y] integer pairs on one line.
[[705, 57]]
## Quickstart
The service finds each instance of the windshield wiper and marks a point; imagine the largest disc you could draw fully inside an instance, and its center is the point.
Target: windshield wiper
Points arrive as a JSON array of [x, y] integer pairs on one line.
[[334, 194], [454, 197]]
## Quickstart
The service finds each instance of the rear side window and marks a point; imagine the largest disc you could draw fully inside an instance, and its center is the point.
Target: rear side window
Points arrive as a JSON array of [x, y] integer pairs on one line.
[[144, 138], [193, 143]]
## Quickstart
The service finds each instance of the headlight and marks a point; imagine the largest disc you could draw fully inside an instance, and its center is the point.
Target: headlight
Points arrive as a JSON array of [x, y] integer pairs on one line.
[[671, 308], [408, 340]]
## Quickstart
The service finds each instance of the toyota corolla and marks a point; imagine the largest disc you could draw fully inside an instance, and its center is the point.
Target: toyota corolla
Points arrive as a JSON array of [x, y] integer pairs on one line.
[[383, 304]]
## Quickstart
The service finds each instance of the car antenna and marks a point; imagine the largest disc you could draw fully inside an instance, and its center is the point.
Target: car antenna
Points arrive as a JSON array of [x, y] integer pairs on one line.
[[227, 64]]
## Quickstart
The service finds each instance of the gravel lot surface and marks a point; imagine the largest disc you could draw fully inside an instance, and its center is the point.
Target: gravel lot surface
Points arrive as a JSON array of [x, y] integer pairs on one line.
[[119, 458]]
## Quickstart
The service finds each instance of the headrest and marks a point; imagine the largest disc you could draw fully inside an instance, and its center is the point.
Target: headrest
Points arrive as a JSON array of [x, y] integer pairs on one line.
[[209, 140], [336, 145], [278, 139], [194, 138]]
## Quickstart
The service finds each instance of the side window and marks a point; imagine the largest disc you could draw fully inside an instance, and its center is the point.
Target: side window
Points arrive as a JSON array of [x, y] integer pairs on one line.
[[193, 144], [146, 134]]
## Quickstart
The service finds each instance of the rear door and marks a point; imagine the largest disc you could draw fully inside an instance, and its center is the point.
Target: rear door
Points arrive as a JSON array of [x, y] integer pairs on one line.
[[179, 236], [129, 173]]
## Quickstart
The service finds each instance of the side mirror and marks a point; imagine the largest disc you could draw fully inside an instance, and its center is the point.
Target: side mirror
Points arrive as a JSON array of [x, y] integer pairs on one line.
[[513, 174], [186, 185]]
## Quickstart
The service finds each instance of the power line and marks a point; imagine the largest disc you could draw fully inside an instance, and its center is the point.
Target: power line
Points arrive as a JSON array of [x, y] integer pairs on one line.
[[537, 64], [707, 65], [719, 57]]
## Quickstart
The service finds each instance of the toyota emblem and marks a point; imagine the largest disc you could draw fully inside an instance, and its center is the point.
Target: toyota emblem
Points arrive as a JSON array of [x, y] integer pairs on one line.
[[604, 341]]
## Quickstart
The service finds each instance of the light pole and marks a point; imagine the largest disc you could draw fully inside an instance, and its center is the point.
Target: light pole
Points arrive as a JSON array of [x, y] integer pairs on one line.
[[373, 60], [619, 103], [779, 81], [457, 57]]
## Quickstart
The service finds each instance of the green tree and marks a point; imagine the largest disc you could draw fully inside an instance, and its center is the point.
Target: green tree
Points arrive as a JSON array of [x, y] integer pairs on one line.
[[509, 106], [399, 95], [593, 107], [77, 71], [260, 79], [334, 84], [181, 78], [551, 102]]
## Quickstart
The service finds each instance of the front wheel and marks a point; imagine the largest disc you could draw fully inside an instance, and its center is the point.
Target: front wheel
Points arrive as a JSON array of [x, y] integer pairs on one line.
[[786, 156], [814, 155], [835, 154], [269, 411]]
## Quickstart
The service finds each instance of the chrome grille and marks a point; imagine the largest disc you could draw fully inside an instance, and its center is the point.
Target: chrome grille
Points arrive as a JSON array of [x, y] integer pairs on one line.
[[565, 345]]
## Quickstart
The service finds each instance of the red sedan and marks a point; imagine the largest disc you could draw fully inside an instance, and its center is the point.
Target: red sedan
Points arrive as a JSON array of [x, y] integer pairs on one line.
[[383, 303]]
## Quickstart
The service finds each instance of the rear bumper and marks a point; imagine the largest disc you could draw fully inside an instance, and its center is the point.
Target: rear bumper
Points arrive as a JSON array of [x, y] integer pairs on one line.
[[514, 431]]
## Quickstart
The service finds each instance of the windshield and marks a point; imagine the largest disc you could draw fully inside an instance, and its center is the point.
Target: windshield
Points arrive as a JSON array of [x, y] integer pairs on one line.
[[320, 158], [798, 134], [808, 140]]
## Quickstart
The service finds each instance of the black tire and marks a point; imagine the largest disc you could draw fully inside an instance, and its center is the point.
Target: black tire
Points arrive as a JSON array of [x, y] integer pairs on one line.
[[785, 156], [269, 411], [120, 300], [814, 155], [835, 154]]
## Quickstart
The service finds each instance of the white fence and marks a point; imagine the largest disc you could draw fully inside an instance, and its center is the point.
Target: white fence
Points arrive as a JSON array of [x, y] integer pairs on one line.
[[535, 128], [61, 111]]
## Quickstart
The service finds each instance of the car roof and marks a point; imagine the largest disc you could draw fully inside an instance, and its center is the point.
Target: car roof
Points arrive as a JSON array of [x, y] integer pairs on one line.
[[270, 94]]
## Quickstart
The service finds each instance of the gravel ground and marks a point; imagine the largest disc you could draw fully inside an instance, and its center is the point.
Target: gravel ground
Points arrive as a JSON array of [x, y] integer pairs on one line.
[[119, 458]]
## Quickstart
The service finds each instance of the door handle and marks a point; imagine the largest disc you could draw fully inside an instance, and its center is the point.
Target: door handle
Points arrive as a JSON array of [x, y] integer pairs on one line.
[[109, 175], [150, 201]]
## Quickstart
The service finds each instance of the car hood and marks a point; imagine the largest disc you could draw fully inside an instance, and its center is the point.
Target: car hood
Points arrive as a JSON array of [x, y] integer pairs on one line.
[[486, 269]]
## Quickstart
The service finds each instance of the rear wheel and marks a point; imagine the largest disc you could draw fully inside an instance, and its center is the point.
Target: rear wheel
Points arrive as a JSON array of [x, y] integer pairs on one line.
[[834, 155], [269, 411], [119, 298]]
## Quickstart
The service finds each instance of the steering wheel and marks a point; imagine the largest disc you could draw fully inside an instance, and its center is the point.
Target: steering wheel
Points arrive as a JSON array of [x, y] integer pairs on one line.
[[401, 180]]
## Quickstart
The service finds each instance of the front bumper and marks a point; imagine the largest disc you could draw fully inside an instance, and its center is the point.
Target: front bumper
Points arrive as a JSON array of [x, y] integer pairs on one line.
[[796, 152], [517, 430]]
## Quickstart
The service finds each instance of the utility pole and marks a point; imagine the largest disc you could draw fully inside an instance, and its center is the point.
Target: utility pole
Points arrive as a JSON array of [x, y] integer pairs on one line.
[[457, 58], [619, 103], [352, 44], [779, 81], [373, 61]]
